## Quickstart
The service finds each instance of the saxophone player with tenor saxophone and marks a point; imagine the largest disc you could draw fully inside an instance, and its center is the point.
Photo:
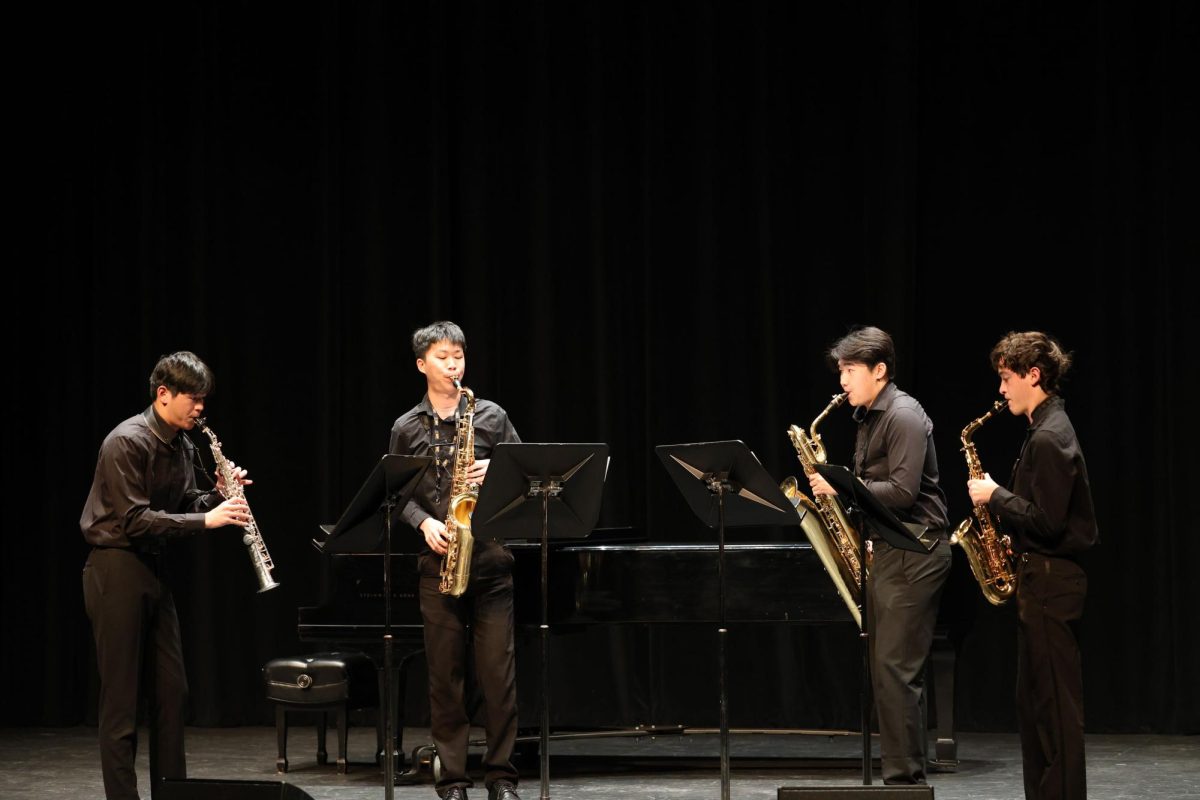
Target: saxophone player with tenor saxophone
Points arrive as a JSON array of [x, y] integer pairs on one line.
[[463, 583], [143, 495], [1047, 511], [895, 458]]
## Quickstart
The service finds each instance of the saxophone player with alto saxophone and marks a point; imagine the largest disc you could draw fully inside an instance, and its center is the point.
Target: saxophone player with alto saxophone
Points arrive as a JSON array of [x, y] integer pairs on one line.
[[463, 583], [1047, 511], [895, 458]]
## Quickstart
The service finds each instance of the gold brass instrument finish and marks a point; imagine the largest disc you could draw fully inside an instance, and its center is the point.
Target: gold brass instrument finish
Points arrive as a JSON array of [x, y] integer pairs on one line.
[[259, 557], [456, 566], [988, 550], [834, 539]]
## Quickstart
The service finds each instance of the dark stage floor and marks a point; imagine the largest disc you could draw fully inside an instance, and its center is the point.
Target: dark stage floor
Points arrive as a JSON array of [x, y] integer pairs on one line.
[[64, 762]]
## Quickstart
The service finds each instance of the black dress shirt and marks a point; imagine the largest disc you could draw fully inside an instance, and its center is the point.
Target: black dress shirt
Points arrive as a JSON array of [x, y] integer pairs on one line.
[[420, 432], [1048, 506], [144, 489], [894, 456]]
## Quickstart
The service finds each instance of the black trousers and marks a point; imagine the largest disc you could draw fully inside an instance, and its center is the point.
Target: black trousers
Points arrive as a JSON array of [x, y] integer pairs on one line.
[[137, 646], [487, 609], [904, 592], [1050, 598]]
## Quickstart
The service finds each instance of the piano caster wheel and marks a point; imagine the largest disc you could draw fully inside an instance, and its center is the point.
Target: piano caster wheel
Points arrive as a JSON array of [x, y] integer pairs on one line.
[[437, 768]]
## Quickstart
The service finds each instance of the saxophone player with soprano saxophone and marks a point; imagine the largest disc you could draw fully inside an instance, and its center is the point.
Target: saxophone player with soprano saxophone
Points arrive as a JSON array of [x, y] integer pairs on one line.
[[1047, 511], [460, 585], [144, 494], [894, 457]]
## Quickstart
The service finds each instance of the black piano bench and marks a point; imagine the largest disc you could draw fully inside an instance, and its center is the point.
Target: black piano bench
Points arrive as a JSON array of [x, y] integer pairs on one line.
[[322, 682]]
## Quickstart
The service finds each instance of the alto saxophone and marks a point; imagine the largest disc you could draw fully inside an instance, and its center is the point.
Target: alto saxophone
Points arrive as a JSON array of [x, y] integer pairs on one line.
[[253, 540], [988, 550], [834, 539], [456, 566]]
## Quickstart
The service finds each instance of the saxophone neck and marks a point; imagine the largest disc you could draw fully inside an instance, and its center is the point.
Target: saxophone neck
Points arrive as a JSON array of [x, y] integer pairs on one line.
[[463, 390], [837, 400]]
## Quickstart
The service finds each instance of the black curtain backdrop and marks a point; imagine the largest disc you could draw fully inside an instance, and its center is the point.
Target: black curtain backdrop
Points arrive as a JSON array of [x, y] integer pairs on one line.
[[651, 219]]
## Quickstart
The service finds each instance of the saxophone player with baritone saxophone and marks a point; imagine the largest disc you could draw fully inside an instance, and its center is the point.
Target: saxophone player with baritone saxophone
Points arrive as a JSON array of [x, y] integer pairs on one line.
[[895, 458], [463, 584]]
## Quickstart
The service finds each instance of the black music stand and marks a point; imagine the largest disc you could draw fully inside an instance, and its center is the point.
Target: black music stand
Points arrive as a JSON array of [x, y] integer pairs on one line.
[[519, 475], [863, 506], [724, 484], [383, 494]]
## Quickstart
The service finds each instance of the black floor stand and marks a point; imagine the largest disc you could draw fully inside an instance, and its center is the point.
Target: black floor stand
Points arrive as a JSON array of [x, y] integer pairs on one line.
[[528, 485], [386, 489], [724, 484]]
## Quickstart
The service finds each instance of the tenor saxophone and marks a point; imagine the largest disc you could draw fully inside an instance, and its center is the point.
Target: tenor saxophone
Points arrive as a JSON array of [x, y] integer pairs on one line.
[[259, 557], [988, 550], [456, 566], [834, 539]]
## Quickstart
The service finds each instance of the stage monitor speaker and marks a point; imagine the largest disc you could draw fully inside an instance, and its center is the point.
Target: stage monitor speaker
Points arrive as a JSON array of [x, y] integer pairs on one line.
[[213, 789], [856, 793]]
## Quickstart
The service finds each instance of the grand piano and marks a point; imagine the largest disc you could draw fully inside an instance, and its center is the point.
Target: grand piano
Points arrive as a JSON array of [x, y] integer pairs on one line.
[[606, 583]]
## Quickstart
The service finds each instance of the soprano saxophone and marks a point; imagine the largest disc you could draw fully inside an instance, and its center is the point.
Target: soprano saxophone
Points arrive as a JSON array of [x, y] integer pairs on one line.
[[834, 539], [259, 557], [456, 566], [988, 550]]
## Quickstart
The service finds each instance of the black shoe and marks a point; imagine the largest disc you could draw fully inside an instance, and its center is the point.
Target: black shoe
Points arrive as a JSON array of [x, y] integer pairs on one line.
[[503, 790], [455, 793]]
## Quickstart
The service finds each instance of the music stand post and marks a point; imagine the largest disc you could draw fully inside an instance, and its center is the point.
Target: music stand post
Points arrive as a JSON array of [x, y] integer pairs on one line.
[[387, 488], [725, 485], [863, 506], [528, 485]]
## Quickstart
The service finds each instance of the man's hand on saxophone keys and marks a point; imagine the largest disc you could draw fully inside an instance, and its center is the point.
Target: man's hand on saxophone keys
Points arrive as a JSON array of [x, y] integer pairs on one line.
[[238, 473], [981, 489], [819, 485], [435, 535], [231, 512], [478, 471]]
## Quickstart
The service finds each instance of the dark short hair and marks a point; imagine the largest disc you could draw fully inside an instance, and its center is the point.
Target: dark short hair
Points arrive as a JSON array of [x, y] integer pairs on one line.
[[1021, 352], [181, 372], [866, 345], [434, 332]]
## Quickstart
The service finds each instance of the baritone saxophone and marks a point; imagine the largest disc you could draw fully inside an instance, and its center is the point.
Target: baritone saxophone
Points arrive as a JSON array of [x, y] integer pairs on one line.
[[834, 539]]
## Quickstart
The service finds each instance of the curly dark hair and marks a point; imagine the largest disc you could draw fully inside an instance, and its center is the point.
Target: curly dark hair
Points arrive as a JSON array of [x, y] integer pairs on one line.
[[1022, 351]]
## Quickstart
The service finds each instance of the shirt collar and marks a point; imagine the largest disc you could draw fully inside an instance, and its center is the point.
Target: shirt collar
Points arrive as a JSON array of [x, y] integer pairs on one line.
[[161, 430], [883, 401], [1044, 407], [427, 407]]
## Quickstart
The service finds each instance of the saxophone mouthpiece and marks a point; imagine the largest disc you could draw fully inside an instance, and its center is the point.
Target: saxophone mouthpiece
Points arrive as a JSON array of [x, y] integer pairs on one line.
[[838, 399], [457, 383]]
